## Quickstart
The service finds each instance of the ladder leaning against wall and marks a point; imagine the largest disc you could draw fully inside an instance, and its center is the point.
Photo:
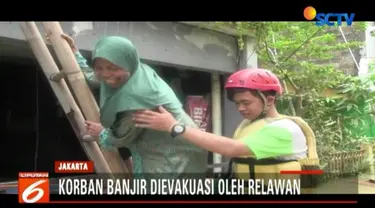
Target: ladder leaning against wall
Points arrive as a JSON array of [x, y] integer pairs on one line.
[[104, 162]]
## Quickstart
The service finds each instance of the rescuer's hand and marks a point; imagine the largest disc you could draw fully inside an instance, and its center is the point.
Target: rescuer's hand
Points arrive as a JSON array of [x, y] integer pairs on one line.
[[160, 121], [93, 128]]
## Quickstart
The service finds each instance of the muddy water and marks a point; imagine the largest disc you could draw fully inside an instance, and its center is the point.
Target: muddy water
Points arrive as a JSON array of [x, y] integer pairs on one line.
[[351, 185]]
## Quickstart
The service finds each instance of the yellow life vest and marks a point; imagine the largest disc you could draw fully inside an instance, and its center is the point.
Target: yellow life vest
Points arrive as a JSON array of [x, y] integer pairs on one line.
[[246, 167]]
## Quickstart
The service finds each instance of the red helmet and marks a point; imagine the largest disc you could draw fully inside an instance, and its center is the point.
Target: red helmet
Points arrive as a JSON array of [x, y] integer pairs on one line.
[[256, 79]]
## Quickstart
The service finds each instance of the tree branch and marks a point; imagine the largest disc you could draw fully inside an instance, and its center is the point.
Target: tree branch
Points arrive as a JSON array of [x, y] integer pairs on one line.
[[300, 46], [296, 88], [272, 57]]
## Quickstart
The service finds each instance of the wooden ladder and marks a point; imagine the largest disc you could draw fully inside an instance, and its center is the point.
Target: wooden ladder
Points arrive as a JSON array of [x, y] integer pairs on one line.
[[104, 162]]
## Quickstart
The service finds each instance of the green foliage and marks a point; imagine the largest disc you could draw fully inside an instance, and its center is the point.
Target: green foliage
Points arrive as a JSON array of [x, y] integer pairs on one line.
[[301, 54]]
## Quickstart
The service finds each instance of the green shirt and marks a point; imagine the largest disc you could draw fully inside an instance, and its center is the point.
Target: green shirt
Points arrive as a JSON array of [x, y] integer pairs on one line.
[[282, 139]]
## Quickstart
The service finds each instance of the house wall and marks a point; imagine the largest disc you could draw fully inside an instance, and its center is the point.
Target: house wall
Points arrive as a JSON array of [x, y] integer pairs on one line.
[[344, 60], [168, 43]]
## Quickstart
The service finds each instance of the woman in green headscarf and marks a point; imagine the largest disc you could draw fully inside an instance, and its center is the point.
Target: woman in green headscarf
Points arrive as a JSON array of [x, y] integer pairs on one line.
[[127, 85]]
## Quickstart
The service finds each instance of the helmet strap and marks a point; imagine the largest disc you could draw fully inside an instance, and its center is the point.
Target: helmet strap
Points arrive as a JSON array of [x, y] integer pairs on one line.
[[263, 114]]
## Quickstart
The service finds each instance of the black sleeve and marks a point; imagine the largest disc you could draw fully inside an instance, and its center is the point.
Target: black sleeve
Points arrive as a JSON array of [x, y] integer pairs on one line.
[[125, 153]]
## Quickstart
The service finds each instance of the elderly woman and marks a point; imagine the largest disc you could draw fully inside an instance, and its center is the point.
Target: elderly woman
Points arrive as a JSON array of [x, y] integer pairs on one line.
[[127, 85]]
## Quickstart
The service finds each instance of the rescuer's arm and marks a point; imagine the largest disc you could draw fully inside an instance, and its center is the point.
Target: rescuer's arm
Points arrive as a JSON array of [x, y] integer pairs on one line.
[[268, 142], [218, 144], [164, 121]]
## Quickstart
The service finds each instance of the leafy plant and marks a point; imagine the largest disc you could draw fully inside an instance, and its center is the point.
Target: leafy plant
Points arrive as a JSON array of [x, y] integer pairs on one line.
[[301, 54]]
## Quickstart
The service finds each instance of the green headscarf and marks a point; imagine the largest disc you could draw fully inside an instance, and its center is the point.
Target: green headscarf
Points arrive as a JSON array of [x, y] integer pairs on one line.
[[143, 90]]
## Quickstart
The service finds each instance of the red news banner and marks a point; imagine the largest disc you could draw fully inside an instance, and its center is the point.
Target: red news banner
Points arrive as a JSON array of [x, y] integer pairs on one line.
[[34, 187]]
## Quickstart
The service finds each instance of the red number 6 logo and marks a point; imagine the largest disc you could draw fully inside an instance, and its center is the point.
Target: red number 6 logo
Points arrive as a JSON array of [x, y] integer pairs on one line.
[[31, 189]]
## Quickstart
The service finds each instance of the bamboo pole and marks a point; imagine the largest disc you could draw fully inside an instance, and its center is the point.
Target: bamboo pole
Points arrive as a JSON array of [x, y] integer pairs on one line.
[[63, 94], [216, 115], [80, 88]]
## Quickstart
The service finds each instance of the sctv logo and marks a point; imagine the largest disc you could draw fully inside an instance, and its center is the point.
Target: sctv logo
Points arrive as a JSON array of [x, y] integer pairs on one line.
[[326, 18]]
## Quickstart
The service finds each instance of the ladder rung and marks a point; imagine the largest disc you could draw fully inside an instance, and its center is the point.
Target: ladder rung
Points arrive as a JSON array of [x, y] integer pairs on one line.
[[57, 76], [87, 138]]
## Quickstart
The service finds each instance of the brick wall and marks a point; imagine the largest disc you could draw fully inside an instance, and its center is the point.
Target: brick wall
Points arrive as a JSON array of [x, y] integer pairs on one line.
[[344, 61]]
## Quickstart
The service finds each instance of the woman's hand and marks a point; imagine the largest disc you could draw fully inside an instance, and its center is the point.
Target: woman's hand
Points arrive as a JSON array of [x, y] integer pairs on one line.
[[70, 42], [67, 38], [93, 128], [160, 121]]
